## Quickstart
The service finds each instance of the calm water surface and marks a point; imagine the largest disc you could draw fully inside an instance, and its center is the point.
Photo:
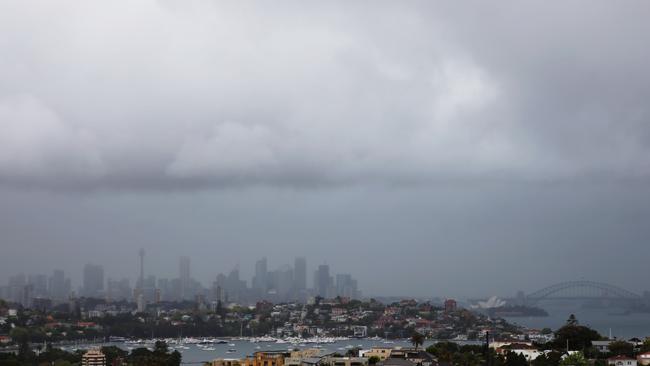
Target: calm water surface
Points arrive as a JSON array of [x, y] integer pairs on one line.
[[622, 326]]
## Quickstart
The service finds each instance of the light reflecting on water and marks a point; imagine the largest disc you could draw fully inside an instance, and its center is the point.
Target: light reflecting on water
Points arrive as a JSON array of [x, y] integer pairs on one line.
[[602, 320]]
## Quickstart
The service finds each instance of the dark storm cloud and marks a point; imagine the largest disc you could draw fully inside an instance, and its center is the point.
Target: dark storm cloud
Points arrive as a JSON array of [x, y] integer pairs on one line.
[[185, 94], [490, 146]]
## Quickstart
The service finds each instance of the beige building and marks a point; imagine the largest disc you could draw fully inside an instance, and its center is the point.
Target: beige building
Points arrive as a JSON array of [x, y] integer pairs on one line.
[[226, 362], [345, 361], [621, 361], [93, 357], [380, 352], [268, 358], [308, 356]]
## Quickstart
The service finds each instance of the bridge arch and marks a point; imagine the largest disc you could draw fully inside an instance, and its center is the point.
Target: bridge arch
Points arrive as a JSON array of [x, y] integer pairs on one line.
[[603, 290]]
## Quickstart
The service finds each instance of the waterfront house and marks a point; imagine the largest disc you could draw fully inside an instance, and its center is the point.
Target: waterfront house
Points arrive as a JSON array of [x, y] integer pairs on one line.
[[621, 361], [643, 359]]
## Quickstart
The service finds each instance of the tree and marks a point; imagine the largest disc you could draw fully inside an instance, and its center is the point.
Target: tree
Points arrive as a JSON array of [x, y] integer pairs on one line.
[[621, 348], [161, 347], [21, 336], [572, 320], [547, 359], [353, 352], [174, 359], [112, 353], [373, 360], [645, 347], [515, 359], [575, 337], [417, 340], [574, 359], [444, 351]]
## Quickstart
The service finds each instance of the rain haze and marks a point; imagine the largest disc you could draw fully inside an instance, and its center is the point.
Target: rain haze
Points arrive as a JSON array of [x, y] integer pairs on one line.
[[427, 148]]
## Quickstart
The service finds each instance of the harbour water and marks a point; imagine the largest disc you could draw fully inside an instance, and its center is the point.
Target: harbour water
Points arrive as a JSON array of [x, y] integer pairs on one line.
[[196, 354], [622, 325]]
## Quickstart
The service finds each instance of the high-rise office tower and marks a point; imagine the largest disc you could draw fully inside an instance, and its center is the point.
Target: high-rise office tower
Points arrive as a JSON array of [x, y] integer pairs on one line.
[[165, 289], [184, 267], [346, 286], [93, 280], [260, 281], [139, 285], [39, 285], [300, 274], [117, 290], [57, 286], [16, 287], [322, 280], [283, 282]]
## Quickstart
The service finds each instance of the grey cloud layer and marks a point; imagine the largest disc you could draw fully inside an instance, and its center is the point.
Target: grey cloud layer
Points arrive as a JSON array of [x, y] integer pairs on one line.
[[186, 94]]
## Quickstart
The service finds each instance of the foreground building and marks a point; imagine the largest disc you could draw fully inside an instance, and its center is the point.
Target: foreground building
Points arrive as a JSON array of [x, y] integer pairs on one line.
[[621, 361], [93, 357], [316, 357], [643, 359], [381, 353], [266, 358]]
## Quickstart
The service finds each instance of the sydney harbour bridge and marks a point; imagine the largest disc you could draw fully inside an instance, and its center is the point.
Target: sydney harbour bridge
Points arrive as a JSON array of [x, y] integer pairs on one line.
[[595, 293], [584, 291]]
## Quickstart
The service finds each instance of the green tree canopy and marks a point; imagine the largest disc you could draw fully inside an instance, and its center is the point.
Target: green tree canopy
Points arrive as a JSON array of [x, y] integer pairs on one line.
[[575, 337], [417, 340], [621, 348], [574, 359]]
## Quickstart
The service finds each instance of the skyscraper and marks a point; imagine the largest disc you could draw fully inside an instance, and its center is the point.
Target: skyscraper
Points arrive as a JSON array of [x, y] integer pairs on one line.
[[16, 286], [57, 286], [39, 285], [260, 281], [283, 282], [117, 290], [300, 274], [346, 286], [184, 267], [93, 280], [322, 280], [141, 279]]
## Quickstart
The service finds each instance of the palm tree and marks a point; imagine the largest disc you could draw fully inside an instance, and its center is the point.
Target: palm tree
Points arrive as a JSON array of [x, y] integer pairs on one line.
[[417, 339]]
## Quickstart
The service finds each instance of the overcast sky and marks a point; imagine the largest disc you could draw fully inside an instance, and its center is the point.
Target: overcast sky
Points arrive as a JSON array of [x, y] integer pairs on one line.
[[428, 148]]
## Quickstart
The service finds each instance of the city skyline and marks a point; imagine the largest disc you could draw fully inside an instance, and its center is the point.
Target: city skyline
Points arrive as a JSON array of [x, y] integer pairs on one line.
[[285, 283]]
